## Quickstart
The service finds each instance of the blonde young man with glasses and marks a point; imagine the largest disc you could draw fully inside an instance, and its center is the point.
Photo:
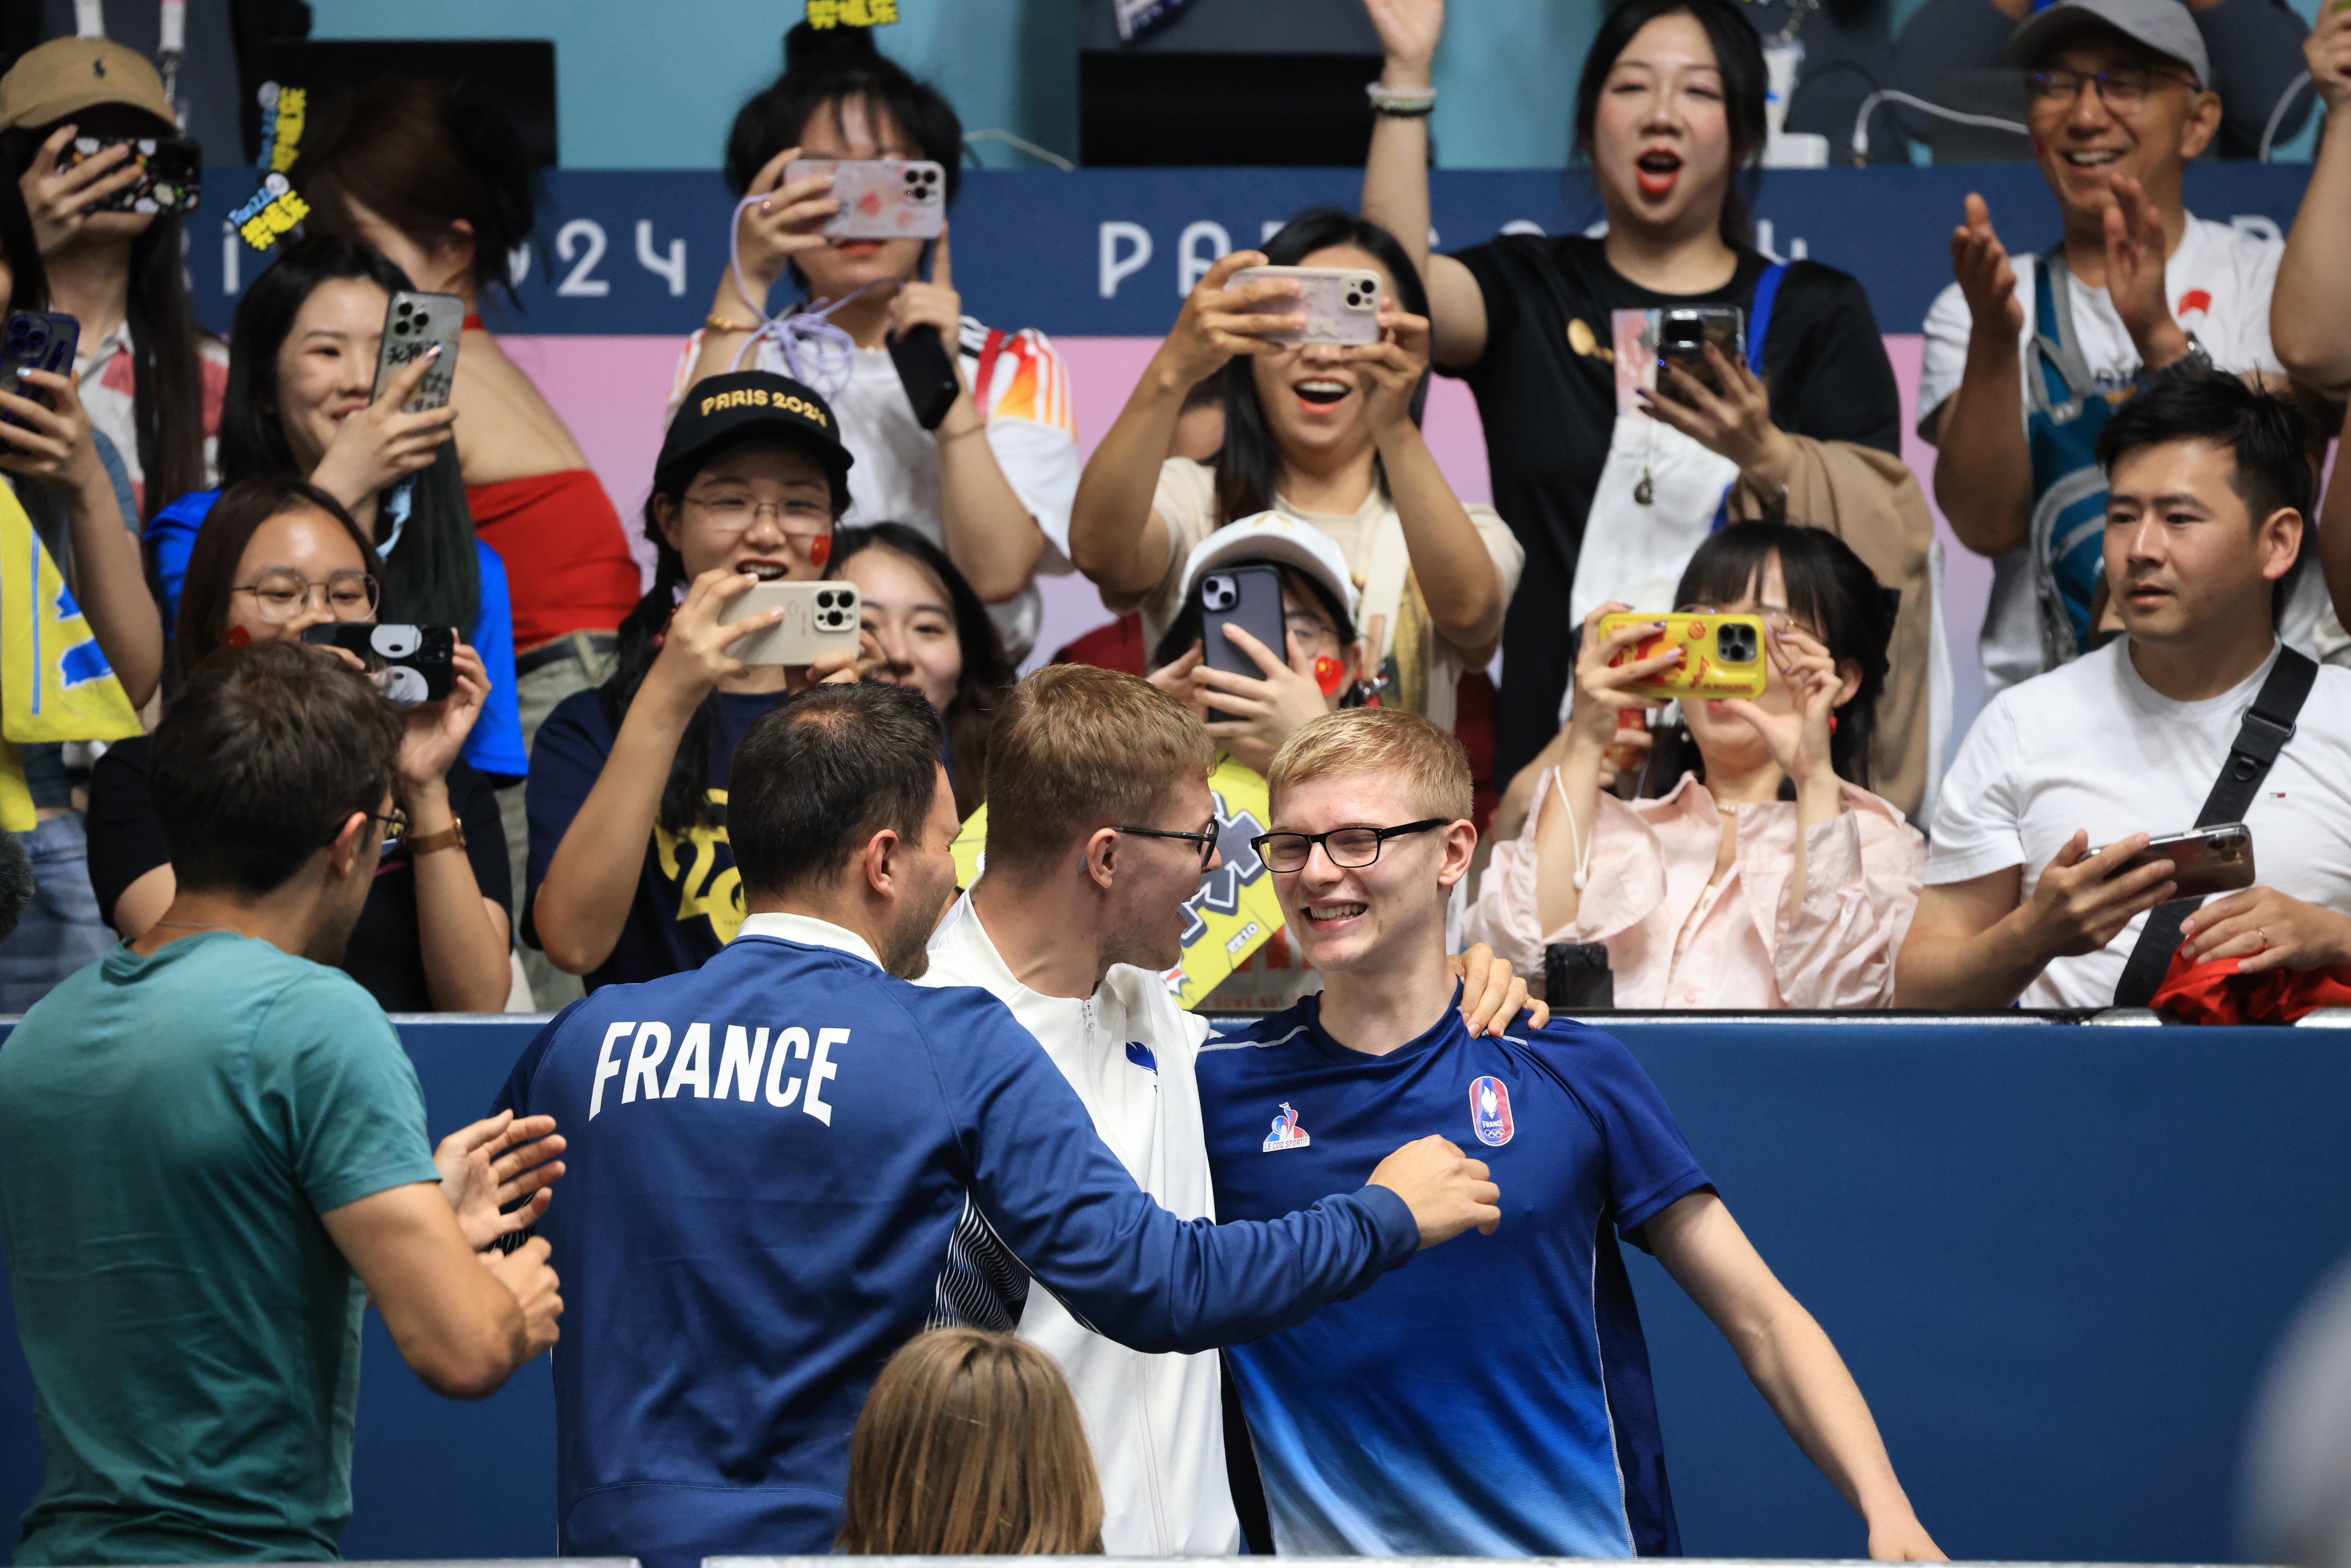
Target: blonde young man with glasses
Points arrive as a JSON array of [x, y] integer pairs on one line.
[[1100, 827], [1499, 1406], [2138, 289]]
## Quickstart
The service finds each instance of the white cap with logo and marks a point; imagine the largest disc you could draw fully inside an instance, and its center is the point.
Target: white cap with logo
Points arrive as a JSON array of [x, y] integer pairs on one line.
[[1269, 536]]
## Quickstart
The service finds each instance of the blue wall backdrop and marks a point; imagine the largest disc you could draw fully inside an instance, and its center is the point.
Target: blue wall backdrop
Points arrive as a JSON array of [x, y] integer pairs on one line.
[[2056, 1259]]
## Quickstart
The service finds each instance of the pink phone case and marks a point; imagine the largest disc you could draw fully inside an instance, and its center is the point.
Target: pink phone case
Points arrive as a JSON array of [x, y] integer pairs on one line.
[[1341, 304], [881, 198]]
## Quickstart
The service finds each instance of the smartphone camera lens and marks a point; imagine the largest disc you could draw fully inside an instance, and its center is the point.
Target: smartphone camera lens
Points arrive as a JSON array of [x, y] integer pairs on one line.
[[1218, 593], [824, 599], [1735, 643]]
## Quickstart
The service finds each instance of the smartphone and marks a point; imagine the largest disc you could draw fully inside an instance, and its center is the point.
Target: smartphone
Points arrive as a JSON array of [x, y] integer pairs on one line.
[[410, 664], [173, 173], [1249, 597], [819, 619], [2218, 859], [1722, 656], [881, 198], [1341, 304], [35, 341], [1684, 332], [414, 324], [926, 372]]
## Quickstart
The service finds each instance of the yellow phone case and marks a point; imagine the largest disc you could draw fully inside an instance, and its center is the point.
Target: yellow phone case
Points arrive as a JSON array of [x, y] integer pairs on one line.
[[1713, 664]]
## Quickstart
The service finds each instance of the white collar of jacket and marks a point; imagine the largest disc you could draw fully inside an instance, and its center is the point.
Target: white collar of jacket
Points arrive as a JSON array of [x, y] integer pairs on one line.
[[810, 932]]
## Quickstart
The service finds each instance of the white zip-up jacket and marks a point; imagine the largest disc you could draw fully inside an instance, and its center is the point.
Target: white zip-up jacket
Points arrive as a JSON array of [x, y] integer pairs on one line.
[[1156, 1422]]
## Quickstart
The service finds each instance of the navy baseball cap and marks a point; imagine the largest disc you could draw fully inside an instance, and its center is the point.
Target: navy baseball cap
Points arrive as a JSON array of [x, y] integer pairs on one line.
[[742, 405]]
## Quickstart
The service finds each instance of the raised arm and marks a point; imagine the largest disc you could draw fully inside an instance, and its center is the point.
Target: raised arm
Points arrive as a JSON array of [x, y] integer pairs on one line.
[[1566, 822], [1116, 538], [1792, 1364], [463, 1323], [1395, 178], [463, 935], [785, 220], [2306, 322], [1983, 475]]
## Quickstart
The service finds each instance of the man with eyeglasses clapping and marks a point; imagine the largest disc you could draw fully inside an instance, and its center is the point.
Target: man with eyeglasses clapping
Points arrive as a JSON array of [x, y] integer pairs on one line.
[[2119, 100]]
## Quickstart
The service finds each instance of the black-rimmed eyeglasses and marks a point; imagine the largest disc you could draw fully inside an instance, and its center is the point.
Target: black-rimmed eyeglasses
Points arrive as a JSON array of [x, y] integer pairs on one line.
[[1205, 840], [1349, 847]]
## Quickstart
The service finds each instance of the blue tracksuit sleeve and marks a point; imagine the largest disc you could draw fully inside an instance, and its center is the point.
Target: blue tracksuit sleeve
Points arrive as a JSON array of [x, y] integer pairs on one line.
[[1064, 1207]]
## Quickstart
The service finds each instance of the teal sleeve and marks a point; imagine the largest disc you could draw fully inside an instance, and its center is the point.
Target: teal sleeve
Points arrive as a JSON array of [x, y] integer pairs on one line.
[[351, 1106]]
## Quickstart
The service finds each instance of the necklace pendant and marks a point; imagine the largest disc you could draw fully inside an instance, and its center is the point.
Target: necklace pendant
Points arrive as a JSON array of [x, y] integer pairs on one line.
[[1644, 492]]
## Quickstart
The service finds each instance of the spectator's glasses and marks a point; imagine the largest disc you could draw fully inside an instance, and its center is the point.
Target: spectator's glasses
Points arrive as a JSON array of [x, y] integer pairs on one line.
[[736, 514], [1348, 847], [283, 594], [396, 826], [1315, 633], [2125, 87], [1205, 840]]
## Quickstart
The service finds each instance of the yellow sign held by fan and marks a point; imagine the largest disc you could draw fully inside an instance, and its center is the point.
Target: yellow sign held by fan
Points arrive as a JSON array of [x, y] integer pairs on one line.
[[1234, 913], [55, 685]]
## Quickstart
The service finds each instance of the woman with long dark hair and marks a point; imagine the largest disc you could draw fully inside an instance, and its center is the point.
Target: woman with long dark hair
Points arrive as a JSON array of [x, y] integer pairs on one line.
[[991, 481], [933, 634], [1764, 872], [275, 557], [631, 875], [301, 405], [1610, 470], [1326, 436], [117, 273]]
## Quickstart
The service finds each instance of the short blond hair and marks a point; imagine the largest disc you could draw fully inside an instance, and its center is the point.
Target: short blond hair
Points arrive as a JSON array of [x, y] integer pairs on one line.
[[1434, 768], [1076, 747], [971, 1444]]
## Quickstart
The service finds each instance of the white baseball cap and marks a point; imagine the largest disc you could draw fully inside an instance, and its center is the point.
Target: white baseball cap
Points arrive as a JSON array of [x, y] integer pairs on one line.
[[2163, 25], [1269, 536]]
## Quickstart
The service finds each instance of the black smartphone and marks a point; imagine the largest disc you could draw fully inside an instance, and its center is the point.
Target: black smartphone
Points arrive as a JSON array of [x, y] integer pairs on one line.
[[1249, 597], [928, 373], [2204, 860], [1684, 332], [411, 665], [173, 173], [35, 341]]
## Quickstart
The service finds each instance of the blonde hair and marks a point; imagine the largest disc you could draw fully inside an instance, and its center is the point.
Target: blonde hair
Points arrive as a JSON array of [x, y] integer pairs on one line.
[[1434, 768], [1074, 749], [970, 1445]]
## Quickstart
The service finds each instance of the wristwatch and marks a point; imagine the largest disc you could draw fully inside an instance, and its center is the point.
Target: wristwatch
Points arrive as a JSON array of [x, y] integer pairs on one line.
[[2196, 361], [452, 837]]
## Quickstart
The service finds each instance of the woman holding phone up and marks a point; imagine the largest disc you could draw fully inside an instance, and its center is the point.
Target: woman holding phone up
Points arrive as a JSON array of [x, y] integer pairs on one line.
[[750, 480], [1610, 493], [990, 478], [301, 405]]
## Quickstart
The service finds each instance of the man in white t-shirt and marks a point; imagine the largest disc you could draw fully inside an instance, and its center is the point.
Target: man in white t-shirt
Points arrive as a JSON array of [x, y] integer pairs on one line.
[[1100, 825], [2119, 105], [2209, 490]]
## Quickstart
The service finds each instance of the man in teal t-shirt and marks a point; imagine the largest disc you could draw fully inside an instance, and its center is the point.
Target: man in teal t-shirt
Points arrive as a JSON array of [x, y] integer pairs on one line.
[[213, 1151]]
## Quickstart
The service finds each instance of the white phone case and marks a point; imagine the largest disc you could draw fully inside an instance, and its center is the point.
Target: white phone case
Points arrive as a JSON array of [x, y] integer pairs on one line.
[[819, 619], [881, 198], [1341, 304], [413, 324]]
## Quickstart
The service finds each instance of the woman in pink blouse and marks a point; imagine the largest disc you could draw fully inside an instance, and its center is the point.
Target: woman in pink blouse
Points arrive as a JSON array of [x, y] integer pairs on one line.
[[1767, 875]]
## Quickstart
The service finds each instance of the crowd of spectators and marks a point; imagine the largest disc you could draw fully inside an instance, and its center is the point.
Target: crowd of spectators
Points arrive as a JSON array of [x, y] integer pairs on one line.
[[611, 806]]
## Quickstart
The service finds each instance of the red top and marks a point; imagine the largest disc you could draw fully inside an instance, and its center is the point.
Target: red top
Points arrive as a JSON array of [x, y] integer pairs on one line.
[[568, 563]]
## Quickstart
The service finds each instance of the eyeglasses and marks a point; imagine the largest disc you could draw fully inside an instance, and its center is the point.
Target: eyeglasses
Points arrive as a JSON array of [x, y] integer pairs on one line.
[[2125, 86], [1206, 838], [1772, 616], [736, 514], [1348, 847], [396, 826], [282, 595], [1313, 631]]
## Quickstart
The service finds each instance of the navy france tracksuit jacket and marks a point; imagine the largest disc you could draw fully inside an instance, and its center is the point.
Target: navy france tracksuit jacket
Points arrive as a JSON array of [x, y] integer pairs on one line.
[[784, 1165]]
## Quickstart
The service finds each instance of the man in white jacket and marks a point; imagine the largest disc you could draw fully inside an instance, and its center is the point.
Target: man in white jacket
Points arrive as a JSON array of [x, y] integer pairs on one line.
[[1100, 826]]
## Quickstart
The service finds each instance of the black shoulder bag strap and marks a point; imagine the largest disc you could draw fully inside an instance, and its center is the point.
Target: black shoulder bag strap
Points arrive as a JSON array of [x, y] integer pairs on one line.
[[2267, 725]]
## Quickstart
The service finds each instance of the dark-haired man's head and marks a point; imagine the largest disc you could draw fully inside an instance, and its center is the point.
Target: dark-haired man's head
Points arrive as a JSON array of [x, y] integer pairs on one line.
[[838, 808], [270, 774], [2208, 494]]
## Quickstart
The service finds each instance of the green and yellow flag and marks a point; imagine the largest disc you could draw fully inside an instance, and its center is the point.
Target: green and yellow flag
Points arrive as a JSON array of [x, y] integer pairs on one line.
[[1232, 914]]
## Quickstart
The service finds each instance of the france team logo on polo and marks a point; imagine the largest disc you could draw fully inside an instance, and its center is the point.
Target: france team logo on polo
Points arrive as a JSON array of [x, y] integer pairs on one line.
[[1287, 1134], [1490, 1111]]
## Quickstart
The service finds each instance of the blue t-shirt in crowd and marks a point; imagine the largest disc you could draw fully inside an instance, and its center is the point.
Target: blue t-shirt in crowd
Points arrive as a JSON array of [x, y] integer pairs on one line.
[[689, 901], [1495, 1404], [494, 748], [786, 1164]]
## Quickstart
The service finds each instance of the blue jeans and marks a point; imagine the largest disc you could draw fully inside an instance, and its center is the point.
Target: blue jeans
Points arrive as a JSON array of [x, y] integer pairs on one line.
[[61, 930]]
